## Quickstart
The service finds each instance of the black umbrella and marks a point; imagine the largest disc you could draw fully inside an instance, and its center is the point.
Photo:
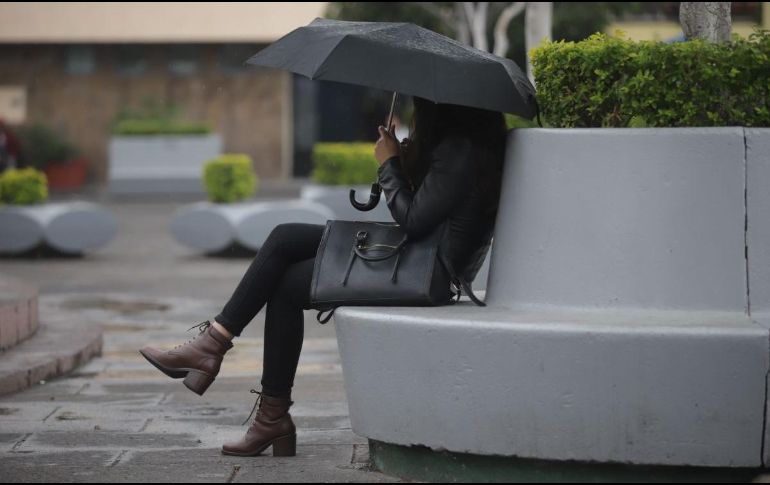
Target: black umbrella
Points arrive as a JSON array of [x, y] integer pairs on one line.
[[403, 58]]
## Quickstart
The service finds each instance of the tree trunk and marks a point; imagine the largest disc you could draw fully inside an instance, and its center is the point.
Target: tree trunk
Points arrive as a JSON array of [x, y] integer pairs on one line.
[[710, 21], [477, 21], [501, 27], [538, 20]]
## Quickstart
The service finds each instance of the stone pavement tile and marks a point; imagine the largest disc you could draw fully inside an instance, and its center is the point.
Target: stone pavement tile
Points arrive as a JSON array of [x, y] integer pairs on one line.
[[326, 463], [109, 440], [73, 466], [313, 463]]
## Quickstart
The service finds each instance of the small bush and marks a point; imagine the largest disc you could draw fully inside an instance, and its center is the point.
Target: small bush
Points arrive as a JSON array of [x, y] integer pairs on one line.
[[230, 178], [41, 146], [159, 128], [344, 163], [23, 186], [615, 82]]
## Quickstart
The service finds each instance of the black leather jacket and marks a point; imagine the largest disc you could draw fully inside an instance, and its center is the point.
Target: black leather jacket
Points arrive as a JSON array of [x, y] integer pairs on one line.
[[449, 190]]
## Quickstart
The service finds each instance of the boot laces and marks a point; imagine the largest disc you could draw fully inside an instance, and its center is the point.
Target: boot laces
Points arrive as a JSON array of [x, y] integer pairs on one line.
[[201, 328], [257, 406], [256, 403]]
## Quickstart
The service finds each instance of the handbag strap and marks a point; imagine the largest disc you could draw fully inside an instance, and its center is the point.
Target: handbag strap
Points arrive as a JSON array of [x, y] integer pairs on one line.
[[459, 282], [325, 319]]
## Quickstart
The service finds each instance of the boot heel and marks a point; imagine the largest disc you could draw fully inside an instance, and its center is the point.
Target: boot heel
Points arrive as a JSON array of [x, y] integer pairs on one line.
[[286, 446], [198, 382]]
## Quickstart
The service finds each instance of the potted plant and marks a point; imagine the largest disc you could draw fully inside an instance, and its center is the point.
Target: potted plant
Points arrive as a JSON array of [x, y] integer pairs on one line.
[[229, 219], [650, 177], [153, 150], [339, 167], [28, 221], [44, 149]]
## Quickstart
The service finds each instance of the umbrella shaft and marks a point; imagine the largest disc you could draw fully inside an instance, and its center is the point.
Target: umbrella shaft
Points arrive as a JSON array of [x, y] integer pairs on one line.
[[392, 109]]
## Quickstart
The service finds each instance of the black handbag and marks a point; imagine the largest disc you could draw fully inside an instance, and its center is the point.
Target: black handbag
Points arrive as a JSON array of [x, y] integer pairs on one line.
[[369, 263]]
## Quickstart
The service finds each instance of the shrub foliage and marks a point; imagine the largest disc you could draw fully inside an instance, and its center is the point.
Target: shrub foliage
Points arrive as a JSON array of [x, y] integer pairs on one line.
[[344, 163], [23, 186], [615, 82], [230, 178]]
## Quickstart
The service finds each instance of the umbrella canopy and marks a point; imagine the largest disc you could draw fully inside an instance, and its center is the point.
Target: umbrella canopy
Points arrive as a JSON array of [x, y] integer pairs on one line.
[[405, 58]]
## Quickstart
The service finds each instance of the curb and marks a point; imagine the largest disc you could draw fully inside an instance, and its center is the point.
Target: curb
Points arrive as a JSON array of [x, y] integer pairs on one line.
[[53, 351], [18, 312]]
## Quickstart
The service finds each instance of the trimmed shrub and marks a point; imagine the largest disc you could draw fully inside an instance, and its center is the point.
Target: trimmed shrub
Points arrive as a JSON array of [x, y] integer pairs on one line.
[[615, 82], [41, 146], [230, 178], [159, 127], [23, 186], [344, 163]]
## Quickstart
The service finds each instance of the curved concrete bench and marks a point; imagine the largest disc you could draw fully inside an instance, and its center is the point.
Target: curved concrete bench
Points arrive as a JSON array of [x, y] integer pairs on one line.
[[69, 227], [210, 227], [252, 229], [618, 327], [18, 231]]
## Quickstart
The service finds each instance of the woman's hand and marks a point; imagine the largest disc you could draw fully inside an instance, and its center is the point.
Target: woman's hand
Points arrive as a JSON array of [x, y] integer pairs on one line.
[[387, 145]]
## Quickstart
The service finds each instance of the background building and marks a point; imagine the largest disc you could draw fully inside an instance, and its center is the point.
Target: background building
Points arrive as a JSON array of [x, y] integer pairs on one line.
[[76, 66]]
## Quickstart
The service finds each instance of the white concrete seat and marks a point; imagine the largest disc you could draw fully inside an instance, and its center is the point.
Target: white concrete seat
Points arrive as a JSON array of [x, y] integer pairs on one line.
[[618, 325], [210, 227], [69, 227]]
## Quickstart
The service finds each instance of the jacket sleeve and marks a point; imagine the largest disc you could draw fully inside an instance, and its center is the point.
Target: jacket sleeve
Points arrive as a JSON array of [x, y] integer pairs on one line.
[[449, 179]]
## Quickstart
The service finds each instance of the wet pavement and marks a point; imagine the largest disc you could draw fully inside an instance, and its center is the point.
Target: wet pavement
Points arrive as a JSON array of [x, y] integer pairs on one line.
[[119, 419]]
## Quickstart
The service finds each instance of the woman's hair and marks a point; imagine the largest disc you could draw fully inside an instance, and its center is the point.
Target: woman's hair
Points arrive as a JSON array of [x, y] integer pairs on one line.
[[432, 122]]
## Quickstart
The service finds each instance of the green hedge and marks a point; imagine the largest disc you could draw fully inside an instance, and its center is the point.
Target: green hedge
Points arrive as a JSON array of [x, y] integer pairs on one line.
[[230, 178], [615, 82], [344, 163], [159, 127], [23, 186]]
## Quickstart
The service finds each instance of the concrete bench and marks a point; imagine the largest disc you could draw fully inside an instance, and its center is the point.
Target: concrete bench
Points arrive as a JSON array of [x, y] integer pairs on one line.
[[210, 227], [68, 227], [619, 327]]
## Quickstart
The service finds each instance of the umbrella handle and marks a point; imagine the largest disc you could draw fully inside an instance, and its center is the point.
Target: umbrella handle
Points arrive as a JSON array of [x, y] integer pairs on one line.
[[374, 198]]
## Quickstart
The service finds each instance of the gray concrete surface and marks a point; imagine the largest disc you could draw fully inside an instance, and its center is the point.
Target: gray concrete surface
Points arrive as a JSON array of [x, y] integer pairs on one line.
[[146, 164], [618, 325], [118, 419]]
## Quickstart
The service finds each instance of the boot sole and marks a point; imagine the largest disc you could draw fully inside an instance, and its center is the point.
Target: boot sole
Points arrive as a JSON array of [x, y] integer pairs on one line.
[[194, 380], [282, 446]]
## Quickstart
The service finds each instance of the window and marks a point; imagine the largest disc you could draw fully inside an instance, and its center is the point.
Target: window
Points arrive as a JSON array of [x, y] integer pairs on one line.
[[80, 60], [233, 56], [183, 59], [130, 60]]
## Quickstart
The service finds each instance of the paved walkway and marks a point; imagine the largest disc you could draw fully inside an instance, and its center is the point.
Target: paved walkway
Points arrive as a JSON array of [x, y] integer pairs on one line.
[[119, 419]]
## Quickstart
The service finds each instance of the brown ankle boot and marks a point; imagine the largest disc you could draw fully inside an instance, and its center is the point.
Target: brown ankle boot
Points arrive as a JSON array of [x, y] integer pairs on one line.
[[198, 360], [272, 426]]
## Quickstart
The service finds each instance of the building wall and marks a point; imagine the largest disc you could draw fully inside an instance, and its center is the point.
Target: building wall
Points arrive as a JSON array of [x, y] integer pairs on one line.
[[247, 106]]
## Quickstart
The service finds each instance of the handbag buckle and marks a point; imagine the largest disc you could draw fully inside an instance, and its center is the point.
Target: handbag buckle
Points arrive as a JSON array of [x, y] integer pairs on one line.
[[361, 238]]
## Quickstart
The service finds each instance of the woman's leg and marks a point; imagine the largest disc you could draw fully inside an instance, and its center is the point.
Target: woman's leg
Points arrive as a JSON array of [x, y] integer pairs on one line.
[[286, 244], [284, 328]]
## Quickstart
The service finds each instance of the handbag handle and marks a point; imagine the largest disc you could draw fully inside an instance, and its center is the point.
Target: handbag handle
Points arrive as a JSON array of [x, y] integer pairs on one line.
[[358, 246], [395, 250]]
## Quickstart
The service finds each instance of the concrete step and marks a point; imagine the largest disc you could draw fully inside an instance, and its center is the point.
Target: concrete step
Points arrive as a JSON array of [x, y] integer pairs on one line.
[[18, 312], [53, 351]]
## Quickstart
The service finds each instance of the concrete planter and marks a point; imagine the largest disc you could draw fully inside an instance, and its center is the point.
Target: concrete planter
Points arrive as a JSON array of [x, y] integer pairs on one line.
[[68, 227], [337, 199], [627, 311], [160, 164], [209, 227]]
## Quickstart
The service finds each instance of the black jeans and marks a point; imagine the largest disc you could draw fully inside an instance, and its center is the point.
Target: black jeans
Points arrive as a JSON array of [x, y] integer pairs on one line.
[[279, 276]]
